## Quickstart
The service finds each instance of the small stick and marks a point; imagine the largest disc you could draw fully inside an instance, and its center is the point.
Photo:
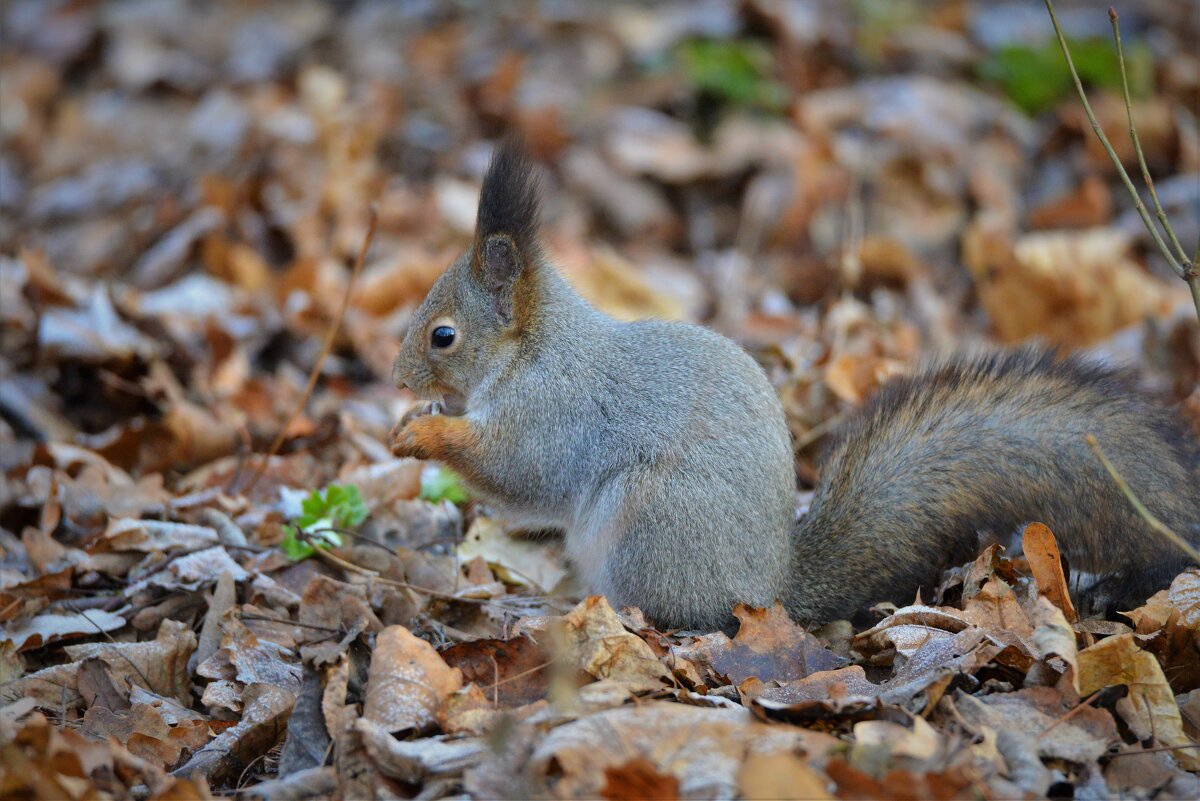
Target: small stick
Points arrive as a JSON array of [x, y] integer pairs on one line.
[[1082, 705], [1152, 750], [325, 349], [1137, 142], [1145, 513], [337, 561]]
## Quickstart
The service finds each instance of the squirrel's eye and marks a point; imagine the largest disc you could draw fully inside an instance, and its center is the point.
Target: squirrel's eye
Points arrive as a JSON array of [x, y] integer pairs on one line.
[[442, 337]]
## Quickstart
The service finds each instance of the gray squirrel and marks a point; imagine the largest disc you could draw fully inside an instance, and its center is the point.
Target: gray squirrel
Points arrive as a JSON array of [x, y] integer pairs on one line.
[[661, 449]]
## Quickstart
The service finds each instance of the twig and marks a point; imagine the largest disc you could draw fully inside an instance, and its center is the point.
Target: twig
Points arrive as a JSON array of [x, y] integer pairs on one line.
[[1137, 142], [1152, 750], [1145, 513], [267, 619], [326, 347], [119, 652], [1185, 270], [337, 561], [1075, 710]]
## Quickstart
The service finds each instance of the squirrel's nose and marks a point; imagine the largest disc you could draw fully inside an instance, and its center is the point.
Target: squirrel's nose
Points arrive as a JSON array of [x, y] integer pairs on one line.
[[400, 372]]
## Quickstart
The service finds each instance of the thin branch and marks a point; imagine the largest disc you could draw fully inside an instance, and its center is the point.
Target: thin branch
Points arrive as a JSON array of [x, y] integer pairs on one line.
[[350, 567], [326, 347], [1152, 750], [1186, 270], [1145, 513], [1137, 142]]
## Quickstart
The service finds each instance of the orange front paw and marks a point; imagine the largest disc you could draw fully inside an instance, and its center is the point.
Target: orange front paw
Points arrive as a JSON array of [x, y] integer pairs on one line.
[[433, 437]]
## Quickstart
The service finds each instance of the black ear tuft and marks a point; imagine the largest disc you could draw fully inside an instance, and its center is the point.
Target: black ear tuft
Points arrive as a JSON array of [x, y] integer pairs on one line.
[[509, 203]]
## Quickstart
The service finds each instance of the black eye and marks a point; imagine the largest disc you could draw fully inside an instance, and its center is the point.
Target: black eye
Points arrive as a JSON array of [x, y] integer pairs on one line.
[[442, 337]]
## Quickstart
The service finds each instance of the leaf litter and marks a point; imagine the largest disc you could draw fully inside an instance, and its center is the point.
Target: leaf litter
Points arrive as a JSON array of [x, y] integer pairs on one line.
[[179, 218]]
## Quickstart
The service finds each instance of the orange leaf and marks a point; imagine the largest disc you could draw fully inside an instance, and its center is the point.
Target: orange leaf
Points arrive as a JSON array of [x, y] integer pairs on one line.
[[1041, 551]]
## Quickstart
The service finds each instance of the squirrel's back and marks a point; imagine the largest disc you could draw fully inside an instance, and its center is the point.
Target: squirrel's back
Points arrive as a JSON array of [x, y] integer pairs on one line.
[[974, 448]]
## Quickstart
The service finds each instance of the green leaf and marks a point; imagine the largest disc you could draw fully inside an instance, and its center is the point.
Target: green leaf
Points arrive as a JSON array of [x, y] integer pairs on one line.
[[336, 507], [442, 484], [295, 548], [1037, 78], [736, 71]]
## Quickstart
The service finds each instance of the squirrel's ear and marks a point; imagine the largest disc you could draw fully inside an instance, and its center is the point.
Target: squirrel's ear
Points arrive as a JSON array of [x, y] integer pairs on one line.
[[506, 243]]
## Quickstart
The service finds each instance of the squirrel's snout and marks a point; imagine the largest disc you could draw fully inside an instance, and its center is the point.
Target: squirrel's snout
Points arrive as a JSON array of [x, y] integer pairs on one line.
[[401, 374]]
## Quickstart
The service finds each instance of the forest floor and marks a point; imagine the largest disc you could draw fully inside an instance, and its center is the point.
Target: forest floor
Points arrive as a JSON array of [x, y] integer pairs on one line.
[[845, 189]]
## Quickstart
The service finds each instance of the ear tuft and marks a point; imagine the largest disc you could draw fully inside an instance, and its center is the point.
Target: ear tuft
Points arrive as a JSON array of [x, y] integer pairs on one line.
[[509, 203]]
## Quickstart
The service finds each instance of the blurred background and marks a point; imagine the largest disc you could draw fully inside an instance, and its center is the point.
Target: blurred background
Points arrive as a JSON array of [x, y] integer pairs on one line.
[[845, 188]]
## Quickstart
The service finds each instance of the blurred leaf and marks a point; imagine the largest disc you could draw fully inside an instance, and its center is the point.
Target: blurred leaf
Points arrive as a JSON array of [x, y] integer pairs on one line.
[[1036, 78], [736, 72], [442, 484]]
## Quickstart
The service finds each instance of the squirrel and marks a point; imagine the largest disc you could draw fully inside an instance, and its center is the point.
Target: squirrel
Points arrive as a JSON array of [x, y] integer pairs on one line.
[[660, 448]]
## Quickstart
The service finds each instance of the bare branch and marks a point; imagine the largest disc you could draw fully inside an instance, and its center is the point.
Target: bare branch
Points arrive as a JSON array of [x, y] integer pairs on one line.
[[1137, 142], [326, 347]]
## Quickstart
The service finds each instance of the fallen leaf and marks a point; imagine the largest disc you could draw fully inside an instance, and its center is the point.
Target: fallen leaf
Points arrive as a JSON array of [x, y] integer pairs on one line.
[[42, 630], [595, 641], [702, 749], [1071, 287], [511, 672], [780, 775], [262, 724], [1152, 711], [408, 682], [516, 561], [1041, 551], [638, 780], [159, 665], [768, 646]]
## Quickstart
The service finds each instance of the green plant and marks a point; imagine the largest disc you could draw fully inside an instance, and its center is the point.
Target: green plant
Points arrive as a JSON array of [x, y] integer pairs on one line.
[[736, 72], [1036, 79], [442, 484], [336, 507]]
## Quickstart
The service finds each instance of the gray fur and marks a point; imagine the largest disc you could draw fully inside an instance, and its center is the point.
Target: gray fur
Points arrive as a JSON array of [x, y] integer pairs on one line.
[[975, 449]]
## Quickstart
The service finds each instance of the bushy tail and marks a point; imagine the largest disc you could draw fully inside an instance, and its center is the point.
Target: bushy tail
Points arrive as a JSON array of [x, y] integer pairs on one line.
[[975, 448]]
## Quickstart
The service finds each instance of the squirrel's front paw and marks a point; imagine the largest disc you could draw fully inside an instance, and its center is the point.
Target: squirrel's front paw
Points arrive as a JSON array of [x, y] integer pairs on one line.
[[433, 437], [417, 411]]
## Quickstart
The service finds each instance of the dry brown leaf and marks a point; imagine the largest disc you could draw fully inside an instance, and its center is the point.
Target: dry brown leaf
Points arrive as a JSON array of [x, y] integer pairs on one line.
[[1045, 561], [781, 776], [160, 663], [920, 742], [1053, 639], [898, 785], [509, 672], [516, 561], [148, 536], [1041, 713], [595, 641], [408, 683], [252, 660], [1090, 204], [415, 761], [996, 610], [768, 646], [261, 726], [1073, 288], [44, 629], [1152, 711], [702, 748], [1171, 621], [638, 780]]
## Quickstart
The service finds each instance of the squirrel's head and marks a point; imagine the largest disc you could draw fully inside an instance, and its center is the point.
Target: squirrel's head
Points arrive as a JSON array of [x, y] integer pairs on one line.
[[482, 303]]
